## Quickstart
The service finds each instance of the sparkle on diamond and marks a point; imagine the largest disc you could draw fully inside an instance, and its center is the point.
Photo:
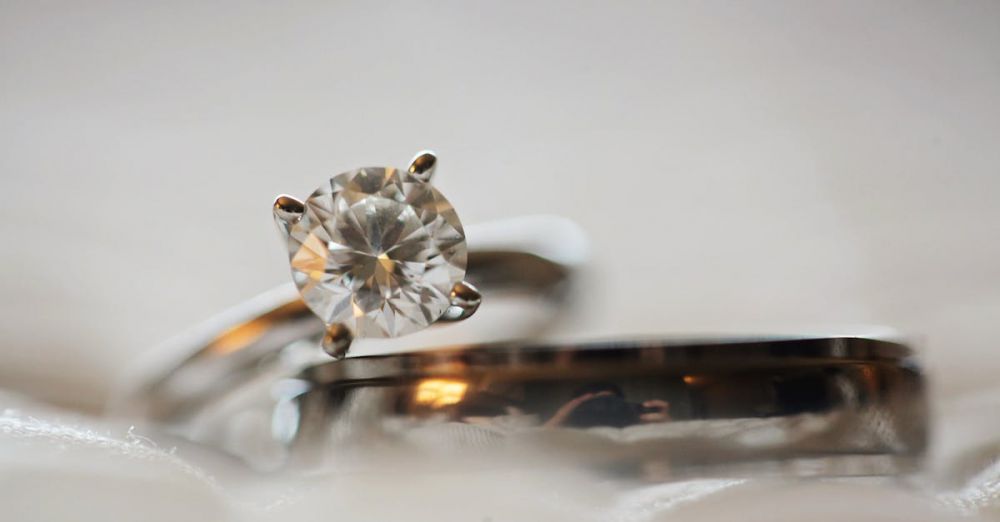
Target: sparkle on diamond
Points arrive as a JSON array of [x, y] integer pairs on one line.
[[378, 250]]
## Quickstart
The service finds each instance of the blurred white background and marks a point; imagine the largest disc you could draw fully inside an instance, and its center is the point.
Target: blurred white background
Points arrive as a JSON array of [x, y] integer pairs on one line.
[[768, 165]]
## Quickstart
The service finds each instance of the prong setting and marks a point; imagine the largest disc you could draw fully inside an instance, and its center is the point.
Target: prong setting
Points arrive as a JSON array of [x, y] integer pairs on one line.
[[465, 300], [330, 242], [423, 164], [337, 340], [287, 211]]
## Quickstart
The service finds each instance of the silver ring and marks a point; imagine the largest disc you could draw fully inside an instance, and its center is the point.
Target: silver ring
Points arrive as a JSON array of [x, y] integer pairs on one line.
[[374, 252], [656, 409], [379, 252]]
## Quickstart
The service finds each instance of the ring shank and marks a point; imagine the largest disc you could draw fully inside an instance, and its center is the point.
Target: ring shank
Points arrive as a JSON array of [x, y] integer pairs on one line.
[[826, 406]]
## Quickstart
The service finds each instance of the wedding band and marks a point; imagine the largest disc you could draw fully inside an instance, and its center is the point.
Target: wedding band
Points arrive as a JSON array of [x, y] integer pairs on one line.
[[655, 409]]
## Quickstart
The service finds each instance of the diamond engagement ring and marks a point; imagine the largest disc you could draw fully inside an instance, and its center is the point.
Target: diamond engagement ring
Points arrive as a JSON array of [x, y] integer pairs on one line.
[[377, 252]]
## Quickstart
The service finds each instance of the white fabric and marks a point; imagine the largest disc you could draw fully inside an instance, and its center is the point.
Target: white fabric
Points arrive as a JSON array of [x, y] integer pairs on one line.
[[741, 166], [60, 466]]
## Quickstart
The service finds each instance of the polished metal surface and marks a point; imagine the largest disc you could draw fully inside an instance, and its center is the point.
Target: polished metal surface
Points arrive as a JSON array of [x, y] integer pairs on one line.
[[465, 300], [336, 340], [650, 409], [423, 164], [287, 209]]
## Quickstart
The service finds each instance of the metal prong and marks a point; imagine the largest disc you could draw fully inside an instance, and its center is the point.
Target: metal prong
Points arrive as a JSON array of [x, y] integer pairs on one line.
[[337, 340], [287, 211], [465, 300], [423, 164]]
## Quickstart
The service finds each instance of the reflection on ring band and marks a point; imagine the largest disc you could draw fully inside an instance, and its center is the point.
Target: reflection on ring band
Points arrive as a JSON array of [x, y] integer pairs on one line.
[[829, 406]]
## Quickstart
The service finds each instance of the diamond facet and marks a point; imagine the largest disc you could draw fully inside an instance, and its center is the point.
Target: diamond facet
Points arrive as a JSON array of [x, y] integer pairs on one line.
[[379, 250]]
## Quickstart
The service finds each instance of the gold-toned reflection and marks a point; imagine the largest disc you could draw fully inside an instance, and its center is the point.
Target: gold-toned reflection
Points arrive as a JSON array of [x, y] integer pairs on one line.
[[693, 379], [438, 393], [237, 337], [243, 335]]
